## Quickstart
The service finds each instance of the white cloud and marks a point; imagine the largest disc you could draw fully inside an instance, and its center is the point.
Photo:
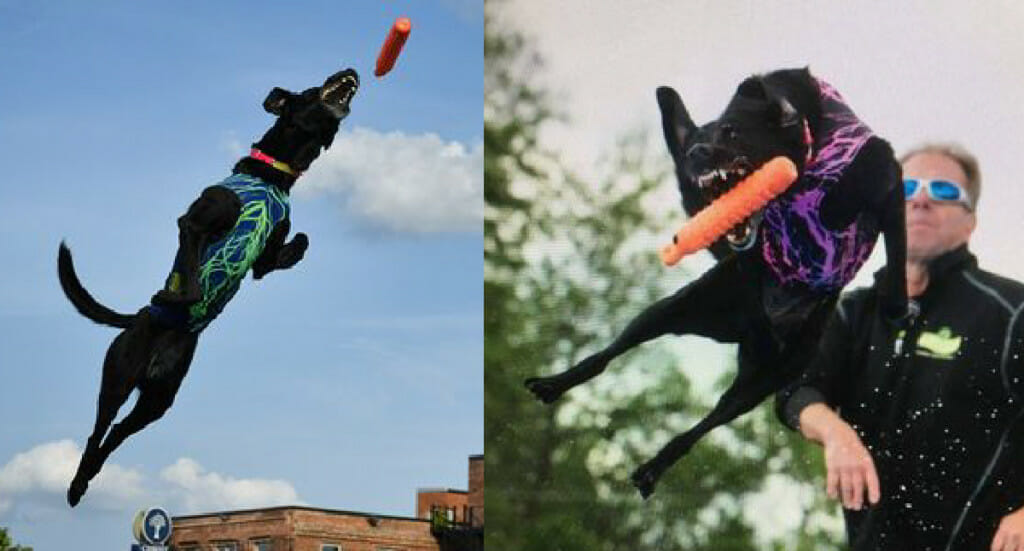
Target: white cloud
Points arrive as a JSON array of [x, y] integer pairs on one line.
[[197, 490], [406, 183], [41, 476], [37, 481]]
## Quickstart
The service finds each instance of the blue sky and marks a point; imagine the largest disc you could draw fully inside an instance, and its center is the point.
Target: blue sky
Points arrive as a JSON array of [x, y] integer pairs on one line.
[[347, 382]]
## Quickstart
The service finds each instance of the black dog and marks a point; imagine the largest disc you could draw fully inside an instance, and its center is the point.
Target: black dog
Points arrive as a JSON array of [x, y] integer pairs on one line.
[[241, 222], [780, 271]]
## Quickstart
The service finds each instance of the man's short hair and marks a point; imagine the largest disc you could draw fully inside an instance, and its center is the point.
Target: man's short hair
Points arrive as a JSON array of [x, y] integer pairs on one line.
[[968, 163]]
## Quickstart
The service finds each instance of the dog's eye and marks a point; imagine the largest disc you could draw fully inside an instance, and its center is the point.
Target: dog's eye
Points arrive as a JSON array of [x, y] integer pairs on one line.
[[728, 132]]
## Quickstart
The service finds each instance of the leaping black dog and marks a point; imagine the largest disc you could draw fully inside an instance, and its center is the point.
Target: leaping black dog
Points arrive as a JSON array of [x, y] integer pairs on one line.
[[779, 272], [237, 224]]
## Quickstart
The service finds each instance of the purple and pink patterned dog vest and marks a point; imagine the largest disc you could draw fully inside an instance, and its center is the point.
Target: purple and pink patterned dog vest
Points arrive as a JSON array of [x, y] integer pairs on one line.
[[795, 244]]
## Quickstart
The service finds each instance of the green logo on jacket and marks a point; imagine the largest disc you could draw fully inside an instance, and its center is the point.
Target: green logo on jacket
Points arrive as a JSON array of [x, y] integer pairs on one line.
[[941, 344]]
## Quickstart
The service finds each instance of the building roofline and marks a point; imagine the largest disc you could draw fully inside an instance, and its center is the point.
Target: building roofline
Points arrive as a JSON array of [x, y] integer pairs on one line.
[[440, 490], [297, 508], [477, 456]]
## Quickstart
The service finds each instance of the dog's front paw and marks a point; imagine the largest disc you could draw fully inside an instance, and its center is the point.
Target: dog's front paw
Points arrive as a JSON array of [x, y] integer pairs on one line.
[[546, 389], [293, 252], [645, 478]]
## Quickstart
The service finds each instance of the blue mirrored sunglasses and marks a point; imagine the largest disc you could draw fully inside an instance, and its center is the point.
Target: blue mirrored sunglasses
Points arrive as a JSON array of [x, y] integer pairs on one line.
[[938, 190]]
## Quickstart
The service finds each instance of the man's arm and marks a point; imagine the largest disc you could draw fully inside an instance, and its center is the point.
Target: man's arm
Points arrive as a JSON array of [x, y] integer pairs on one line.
[[805, 406], [848, 465], [820, 381]]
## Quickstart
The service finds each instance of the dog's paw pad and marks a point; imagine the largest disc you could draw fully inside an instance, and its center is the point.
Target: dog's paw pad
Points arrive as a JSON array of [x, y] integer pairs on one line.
[[644, 480]]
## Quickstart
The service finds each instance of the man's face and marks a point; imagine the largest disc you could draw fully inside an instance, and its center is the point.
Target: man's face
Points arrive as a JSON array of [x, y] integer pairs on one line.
[[935, 227]]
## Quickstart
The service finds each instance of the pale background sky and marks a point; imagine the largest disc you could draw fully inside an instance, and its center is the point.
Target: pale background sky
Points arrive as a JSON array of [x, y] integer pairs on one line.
[[913, 71], [347, 382]]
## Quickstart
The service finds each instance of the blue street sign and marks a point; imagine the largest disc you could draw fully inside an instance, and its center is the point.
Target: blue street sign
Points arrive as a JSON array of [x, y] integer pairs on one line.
[[152, 529], [156, 526]]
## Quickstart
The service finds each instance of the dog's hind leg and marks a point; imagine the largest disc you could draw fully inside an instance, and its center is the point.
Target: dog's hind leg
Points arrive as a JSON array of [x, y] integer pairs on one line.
[[158, 385], [715, 306], [755, 380], [122, 365], [208, 218], [764, 368], [157, 388]]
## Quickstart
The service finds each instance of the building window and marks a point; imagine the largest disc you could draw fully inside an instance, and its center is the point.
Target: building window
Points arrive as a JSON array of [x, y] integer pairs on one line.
[[190, 546], [262, 545], [225, 546], [330, 547]]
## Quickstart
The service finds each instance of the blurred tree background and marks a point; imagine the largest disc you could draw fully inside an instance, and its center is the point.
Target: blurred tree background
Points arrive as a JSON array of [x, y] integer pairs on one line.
[[567, 264]]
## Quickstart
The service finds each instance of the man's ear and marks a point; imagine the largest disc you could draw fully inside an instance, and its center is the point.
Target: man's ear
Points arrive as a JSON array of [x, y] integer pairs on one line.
[[274, 104], [972, 223]]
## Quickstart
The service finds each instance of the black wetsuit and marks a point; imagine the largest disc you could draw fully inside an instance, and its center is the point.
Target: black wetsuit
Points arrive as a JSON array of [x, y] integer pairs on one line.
[[938, 403]]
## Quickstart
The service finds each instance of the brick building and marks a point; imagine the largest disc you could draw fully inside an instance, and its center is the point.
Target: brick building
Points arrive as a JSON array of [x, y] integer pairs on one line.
[[457, 506], [476, 490], [446, 520]]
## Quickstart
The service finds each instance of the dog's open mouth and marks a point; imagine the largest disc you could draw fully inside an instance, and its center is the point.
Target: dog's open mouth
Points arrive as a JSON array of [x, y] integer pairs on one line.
[[338, 91], [714, 183]]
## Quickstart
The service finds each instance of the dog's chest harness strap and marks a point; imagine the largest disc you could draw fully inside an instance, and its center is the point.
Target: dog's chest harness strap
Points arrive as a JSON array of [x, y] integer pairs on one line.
[[283, 167], [796, 245]]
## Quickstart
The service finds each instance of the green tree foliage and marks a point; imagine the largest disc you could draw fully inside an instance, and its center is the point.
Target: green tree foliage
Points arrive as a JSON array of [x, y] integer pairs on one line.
[[6, 544], [564, 271]]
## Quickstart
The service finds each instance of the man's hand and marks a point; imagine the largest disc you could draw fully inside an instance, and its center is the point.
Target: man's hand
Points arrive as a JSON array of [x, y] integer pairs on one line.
[[1010, 535], [849, 467]]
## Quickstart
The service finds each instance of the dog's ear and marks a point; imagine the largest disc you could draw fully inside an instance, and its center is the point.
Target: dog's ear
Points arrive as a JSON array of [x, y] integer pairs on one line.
[[274, 104], [784, 112], [752, 88], [675, 122]]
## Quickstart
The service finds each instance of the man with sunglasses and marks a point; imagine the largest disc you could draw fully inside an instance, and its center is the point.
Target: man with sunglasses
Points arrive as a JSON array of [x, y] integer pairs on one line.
[[922, 422]]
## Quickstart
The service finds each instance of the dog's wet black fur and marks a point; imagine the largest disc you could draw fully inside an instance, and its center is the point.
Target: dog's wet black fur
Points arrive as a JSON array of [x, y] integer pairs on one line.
[[154, 357], [740, 300]]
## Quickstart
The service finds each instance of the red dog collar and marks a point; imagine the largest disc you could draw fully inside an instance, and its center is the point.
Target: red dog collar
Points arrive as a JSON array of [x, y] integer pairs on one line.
[[283, 167]]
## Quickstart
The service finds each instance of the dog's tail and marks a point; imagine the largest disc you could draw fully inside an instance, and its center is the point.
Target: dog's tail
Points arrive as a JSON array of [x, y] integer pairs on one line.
[[81, 299]]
